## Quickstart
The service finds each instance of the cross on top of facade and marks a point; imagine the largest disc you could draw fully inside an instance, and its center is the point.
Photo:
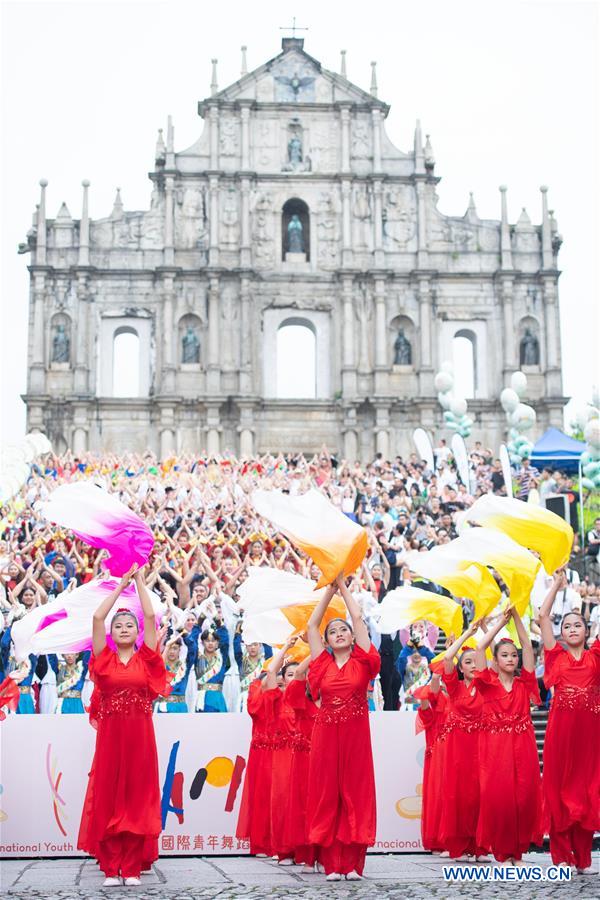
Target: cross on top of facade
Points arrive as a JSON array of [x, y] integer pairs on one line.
[[293, 27]]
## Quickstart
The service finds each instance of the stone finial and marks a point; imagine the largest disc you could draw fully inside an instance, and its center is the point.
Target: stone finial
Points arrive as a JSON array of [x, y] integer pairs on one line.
[[84, 227], [40, 255], [343, 64], [428, 154], [471, 214], [170, 143], [419, 159], [374, 79], [505, 246], [214, 87], [63, 216], [547, 259], [117, 210], [161, 150], [244, 70]]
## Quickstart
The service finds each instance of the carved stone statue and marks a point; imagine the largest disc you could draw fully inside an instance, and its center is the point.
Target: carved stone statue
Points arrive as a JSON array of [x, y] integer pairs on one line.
[[530, 350], [190, 347], [295, 150], [60, 345], [295, 235], [402, 350]]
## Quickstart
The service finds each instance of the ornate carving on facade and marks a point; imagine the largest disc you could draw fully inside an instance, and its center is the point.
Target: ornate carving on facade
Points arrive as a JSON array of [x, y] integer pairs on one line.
[[191, 223], [399, 219]]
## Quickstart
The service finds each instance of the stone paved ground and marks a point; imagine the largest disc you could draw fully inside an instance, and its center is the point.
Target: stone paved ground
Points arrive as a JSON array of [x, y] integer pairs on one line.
[[228, 878]]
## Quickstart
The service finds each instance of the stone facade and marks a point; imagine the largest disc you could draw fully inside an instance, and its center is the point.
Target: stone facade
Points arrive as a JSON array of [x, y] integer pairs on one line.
[[209, 273]]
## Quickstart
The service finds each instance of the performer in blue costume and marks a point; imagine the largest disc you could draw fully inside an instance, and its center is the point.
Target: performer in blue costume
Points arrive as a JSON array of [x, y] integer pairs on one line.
[[24, 670], [71, 672], [211, 666], [180, 655]]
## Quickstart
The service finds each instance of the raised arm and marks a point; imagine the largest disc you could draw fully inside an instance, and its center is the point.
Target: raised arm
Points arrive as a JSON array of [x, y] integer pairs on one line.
[[453, 649], [559, 583], [361, 632], [312, 628], [276, 663], [526, 648], [148, 611], [98, 627], [484, 643]]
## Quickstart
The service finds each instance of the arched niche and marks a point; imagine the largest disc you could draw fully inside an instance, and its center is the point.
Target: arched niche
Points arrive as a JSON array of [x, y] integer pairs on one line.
[[126, 362], [60, 344], [296, 372], [295, 229], [402, 341], [464, 360], [318, 324], [529, 350], [189, 340]]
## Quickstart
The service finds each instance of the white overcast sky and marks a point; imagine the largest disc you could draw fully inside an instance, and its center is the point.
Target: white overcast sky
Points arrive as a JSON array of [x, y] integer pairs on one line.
[[507, 90]]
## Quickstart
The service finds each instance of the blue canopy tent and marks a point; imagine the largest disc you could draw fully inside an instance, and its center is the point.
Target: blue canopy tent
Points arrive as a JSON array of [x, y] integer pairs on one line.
[[556, 450]]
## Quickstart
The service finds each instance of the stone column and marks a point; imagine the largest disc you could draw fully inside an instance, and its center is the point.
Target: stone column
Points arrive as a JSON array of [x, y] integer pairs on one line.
[[350, 434], [553, 351], [40, 247], [167, 442], [381, 349], [346, 222], [168, 361], [376, 118], [245, 337], [547, 257], [382, 435], [169, 252], [38, 313], [348, 339], [79, 442], [378, 222], [213, 119], [421, 226], [425, 319], [84, 229], [213, 249], [245, 112], [245, 430], [345, 118], [245, 252], [213, 373], [510, 338], [82, 368], [213, 429]]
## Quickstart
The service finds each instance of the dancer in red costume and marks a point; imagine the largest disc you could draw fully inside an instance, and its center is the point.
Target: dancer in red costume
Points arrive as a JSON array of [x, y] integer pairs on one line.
[[430, 718], [340, 807], [121, 817], [510, 816], [284, 735], [254, 821], [571, 779], [459, 745], [295, 820]]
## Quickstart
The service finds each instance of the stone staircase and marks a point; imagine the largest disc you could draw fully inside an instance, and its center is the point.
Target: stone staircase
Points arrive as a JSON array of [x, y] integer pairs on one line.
[[540, 721]]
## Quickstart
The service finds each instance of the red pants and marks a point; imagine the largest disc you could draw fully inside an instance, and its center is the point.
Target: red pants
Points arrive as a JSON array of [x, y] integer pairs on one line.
[[343, 858], [122, 854], [572, 847]]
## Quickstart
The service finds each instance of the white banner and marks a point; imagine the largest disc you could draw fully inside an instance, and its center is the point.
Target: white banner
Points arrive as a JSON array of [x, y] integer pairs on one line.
[[202, 758]]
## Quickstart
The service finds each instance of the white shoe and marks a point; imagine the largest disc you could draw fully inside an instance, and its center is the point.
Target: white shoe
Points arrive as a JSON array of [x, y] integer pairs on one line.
[[445, 854], [333, 876], [589, 871], [483, 859], [262, 856], [319, 868], [285, 862], [353, 876], [112, 882], [133, 882]]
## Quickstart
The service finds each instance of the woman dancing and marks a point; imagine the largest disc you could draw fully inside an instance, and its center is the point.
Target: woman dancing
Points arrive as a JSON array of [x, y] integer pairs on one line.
[[459, 741], [509, 769], [340, 807], [571, 779], [121, 817], [430, 718]]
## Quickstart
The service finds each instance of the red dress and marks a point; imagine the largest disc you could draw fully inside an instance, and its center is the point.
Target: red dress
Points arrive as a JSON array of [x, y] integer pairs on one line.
[[432, 721], [122, 801], [510, 817], [283, 749], [254, 821], [340, 807], [295, 820], [459, 746], [571, 752]]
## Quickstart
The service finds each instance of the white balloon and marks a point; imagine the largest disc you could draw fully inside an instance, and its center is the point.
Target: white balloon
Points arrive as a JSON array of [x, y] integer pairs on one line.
[[523, 417], [459, 407], [518, 382], [509, 400], [444, 400], [443, 381], [591, 433]]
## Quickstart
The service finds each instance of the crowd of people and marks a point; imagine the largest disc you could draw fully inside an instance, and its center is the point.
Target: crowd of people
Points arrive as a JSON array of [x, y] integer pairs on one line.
[[208, 535]]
